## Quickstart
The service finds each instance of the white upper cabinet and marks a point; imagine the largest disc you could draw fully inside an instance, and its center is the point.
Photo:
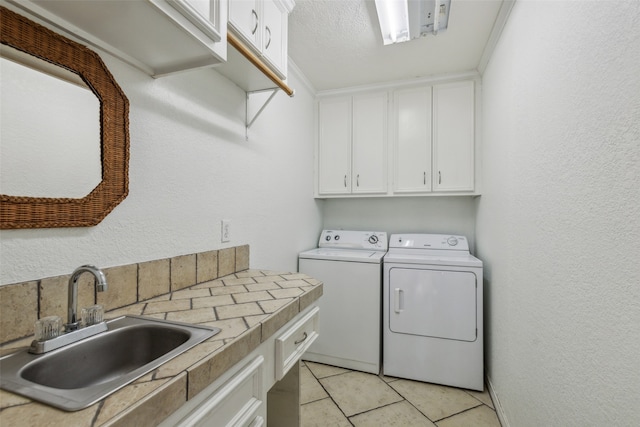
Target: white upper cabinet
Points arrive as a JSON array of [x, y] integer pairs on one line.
[[412, 140], [159, 37], [369, 143], [352, 145], [334, 148], [434, 139], [431, 147], [275, 35], [453, 136], [262, 25], [245, 21], [207, 15]]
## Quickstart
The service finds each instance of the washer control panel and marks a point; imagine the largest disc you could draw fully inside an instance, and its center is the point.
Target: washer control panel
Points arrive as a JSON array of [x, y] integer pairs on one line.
[[372, 240]]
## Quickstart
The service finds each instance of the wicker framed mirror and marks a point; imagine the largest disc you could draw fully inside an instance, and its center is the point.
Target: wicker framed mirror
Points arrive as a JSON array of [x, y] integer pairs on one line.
[[41, 212]]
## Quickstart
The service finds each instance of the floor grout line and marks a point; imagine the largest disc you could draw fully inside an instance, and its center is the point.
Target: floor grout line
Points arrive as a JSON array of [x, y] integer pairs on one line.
[[331, 397], [461, 412], [387, 383]]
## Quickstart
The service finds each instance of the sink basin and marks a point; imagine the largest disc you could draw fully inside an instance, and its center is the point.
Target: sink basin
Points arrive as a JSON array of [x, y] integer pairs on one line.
[[80, 374]]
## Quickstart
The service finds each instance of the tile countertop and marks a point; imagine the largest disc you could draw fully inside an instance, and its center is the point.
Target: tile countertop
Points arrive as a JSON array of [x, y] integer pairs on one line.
[[248, 307]]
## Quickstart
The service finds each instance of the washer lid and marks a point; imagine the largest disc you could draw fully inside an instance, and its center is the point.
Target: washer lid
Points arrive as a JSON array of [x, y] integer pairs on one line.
[[352, 255]]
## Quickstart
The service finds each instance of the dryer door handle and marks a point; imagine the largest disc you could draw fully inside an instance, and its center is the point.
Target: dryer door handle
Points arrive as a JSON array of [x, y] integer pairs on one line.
[[398, 301]]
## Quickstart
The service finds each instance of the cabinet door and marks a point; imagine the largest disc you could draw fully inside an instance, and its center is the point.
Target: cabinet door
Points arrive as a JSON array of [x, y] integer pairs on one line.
[[243, 18], [412, 140], [204, 15], [453, 136], [239, 402], [369, 143], [274, 36], [334, 146]]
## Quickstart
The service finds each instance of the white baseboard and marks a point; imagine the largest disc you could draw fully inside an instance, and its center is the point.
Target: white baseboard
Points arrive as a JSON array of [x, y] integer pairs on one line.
[[496, 402]]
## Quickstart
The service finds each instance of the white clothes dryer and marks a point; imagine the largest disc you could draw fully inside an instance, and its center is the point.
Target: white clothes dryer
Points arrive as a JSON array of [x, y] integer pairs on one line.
[[349, 263], [433, 311]]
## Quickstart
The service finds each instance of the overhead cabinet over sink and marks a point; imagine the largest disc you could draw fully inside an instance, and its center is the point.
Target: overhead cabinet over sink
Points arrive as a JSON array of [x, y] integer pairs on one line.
[[162, 37], [263, 26], [418, 140], [159, 37]]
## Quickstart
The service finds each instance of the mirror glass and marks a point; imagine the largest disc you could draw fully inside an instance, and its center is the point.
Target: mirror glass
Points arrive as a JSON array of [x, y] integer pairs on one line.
[[88, 204], [50, 145]]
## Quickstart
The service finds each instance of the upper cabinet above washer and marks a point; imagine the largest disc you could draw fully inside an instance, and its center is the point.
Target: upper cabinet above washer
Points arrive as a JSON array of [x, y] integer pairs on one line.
[[263, 26], [159, 37], [431, 131], [352, 151]]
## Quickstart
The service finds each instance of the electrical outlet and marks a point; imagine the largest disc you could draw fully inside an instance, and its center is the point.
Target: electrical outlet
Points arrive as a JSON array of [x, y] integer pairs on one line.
[[226, 231]]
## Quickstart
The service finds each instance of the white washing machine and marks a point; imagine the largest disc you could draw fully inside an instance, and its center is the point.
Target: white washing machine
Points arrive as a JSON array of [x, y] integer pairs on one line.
[[349, 263], [432, 311]]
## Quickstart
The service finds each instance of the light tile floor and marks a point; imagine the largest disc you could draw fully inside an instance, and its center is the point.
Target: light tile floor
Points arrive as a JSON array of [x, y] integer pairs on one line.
[[336, 397]]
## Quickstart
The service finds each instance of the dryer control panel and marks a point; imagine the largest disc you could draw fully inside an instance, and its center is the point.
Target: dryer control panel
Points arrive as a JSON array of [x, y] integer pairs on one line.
[[347, 239], [429, 241]]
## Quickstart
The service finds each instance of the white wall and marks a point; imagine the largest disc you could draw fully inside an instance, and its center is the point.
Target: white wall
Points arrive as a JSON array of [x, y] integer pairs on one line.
[[440, 215], [558, 224], [190, 168]]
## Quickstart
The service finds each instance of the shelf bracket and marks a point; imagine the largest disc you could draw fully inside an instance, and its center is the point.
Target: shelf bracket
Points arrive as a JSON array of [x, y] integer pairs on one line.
[[250, 95]]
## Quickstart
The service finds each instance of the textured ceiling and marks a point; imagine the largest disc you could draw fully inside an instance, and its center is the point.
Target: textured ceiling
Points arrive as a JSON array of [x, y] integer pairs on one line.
[[337, 43]]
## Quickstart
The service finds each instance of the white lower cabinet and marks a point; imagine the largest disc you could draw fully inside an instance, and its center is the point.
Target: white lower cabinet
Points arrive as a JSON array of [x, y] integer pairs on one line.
[[294, 342], [264, 387], [237, 402]]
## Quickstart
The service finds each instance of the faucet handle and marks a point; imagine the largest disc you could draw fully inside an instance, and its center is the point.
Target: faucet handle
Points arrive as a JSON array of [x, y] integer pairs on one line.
[[47, 328], [92, 315]]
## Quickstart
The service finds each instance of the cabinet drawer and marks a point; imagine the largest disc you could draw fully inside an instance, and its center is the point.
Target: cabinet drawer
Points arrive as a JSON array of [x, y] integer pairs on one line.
[[236, 403], [291, 345]]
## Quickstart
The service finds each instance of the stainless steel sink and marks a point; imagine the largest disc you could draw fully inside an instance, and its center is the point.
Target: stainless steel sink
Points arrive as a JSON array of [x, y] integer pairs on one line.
[[80, 374]]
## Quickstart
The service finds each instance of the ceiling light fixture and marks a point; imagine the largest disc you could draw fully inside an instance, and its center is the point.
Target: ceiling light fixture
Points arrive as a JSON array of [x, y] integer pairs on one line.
[[404, 20]]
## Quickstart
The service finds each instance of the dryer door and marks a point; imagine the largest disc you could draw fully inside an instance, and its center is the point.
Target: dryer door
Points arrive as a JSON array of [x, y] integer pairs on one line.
[[433, 303]]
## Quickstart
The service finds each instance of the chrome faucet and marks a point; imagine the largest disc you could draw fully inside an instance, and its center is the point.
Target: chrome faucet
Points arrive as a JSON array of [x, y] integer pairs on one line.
[[73, 323], [72, 330]]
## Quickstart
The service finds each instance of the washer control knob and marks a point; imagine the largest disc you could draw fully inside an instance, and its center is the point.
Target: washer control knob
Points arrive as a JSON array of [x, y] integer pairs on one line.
[[373, 239], [327, 238], [336, 237], [452, 241]]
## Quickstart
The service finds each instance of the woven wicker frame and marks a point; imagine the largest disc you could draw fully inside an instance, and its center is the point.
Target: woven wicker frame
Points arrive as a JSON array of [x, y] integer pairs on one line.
[[36, 212]]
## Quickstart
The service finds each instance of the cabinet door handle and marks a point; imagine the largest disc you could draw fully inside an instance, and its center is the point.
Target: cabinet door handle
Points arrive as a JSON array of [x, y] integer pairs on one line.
[[358, 180], [424, 178], [304, 337], [255, 17], [439, 177], [345, 181], [269, 42]]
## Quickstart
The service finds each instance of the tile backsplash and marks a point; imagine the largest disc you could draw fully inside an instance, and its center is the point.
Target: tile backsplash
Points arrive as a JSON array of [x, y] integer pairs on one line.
[[21, 304]]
